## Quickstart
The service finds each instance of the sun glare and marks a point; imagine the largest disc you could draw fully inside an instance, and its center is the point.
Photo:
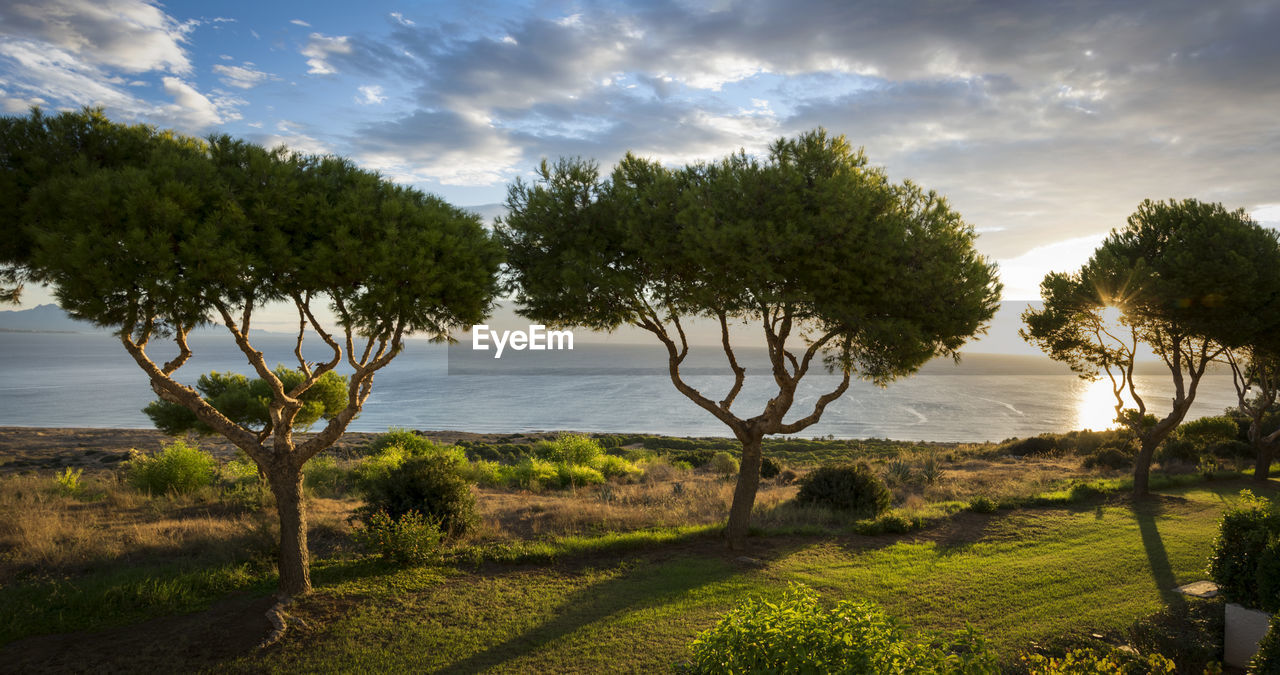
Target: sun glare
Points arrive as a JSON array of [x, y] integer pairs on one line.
[[1095, 405]]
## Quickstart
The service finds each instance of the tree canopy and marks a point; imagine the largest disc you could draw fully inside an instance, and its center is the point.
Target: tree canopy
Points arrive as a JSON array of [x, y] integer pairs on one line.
[[153, 234], [872, 278], [1185, 278]]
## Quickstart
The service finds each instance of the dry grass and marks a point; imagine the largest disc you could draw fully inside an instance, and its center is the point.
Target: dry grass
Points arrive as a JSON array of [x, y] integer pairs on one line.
[[691, 499], [45, 530]]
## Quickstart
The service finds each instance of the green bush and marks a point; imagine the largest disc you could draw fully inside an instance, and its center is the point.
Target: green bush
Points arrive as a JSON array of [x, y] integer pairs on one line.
[[724, 464], [769, 468], [322, 475], [576, 475], [1245, 561], [409, 539], [536, 474], [1111, 456], [983, 504], [574, 449], [1092, 661], [430, 484], [1188, 633], [178, 468], [404, 439], [1267, 660], [67, 483], [1036, 445], [617, 468], [798, 635], [851, 487], [1179, 450]]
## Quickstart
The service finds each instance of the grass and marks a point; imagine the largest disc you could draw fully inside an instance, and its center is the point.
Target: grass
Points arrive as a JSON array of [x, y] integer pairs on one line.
[[567, 581]]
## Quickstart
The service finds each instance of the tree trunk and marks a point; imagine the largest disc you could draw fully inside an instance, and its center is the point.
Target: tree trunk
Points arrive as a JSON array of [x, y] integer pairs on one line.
[[1262, 470], [1142, 467], [295, 572], [744, 495]]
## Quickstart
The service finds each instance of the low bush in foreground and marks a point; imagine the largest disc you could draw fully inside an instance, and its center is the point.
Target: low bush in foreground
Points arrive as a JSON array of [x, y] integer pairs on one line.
[[1267, 660], [853, 487], [431, 485], [179, 468], [409, 539], [1246, 556], [798, 635], [1090, 661]]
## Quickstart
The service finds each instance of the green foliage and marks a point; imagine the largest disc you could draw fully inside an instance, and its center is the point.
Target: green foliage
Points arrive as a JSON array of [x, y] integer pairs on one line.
[[983, 504], [574, 449], [577, 475], [1090, 661], [431, 484], [1111, 456], [403, 439], [246, 402], [723, 463], [852, 487], [796, 634], [323, 475], [1246, 555], [1267, 660], [178, 468], [769, 468], [409, 539], [68, 482], [1189, 633], [536, 474]]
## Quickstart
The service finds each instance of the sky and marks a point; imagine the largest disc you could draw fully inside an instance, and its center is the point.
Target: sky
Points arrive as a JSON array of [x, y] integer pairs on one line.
[[1044, 123]]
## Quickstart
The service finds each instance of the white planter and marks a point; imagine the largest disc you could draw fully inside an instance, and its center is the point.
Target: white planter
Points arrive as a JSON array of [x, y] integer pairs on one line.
[[1244, 630]]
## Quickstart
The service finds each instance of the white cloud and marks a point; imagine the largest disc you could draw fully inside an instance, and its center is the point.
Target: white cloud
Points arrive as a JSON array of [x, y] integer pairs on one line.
[[318, 50], [370, 95], [291, 135], [299, 22], [1022, 275], [400, 19], [241, 77], [189, 105], [129, 35]]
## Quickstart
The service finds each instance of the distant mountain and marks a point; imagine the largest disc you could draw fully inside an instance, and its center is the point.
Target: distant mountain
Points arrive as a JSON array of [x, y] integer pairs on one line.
[[43, 319]]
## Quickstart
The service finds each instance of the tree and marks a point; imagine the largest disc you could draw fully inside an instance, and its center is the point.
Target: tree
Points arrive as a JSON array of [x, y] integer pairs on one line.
[[1181, 279], [872, 279], [158, 234], [248, 402], [1255, 368]]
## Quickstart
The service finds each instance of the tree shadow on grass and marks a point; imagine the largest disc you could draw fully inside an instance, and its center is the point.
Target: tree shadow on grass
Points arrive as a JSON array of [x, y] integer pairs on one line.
[[1145, 512], [654, 582]]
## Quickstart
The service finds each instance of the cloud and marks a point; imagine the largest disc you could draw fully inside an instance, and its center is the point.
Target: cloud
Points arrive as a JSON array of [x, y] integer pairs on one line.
[[299, 22], [370, 95], [440, 146], [241, 77], [72, 53], [130, 35], [399, 18], [320, 49]]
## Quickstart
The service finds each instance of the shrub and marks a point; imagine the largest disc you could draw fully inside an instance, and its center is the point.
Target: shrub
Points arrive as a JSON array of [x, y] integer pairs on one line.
[[68, 482], [694, 458], [798, 635], [576, 475], [1111, 455], [848, 488], [573, 449], [323, 475], [429, 484], [410, 539], [1267, 660], [898, 471], [983, 504], [178, 467], [404, 439], [1036, 445], [535, 474], [1090, 661], [1179, 450], [1246, 555], [724, 464], [931, 470], [1188, 633], [617, 468], [769, 468]]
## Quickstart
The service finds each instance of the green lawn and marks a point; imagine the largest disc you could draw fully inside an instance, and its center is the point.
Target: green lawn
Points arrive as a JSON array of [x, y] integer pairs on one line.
[[1016, 576]]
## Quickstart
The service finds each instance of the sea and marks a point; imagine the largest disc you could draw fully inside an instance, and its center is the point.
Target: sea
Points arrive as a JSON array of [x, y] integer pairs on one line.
[[87, 380]]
